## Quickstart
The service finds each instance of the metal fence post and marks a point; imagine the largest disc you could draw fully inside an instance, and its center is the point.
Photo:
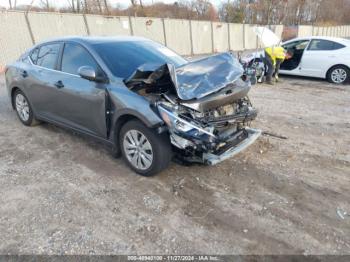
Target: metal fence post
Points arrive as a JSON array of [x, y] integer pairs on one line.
[[212, 37], [164, 33], [130, 25], [86, 24], [29, 27], [243, 36], [191, 38], [229, 36]]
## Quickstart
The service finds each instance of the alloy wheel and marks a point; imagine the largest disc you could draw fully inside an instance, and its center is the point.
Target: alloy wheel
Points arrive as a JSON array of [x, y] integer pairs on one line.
[[22, 107], [338, 75], [138, 149]]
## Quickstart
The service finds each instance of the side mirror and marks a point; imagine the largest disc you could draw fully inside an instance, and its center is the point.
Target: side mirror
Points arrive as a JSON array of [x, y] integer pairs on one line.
[[87, 72]]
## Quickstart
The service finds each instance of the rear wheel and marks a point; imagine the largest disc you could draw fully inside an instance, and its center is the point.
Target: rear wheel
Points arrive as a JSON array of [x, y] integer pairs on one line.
[[338, 74], [145, 151], [23, 109]]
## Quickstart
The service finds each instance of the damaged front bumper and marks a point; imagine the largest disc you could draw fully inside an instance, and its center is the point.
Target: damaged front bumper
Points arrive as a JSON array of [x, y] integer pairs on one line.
[[210, 142], [213, 159], [199, 151]]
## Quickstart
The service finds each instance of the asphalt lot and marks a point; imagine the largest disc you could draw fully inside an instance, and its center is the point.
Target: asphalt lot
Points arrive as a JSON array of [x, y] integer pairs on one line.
[[65, 194]]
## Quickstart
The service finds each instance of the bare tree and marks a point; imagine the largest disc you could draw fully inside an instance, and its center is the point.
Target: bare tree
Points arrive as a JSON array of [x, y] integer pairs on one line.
[[201, 7], [99, 6], [106, 6], [45, 4], [287, 12], [78, 6]]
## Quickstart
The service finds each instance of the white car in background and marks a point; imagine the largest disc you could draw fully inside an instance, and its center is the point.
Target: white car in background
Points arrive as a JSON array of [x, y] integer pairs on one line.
[[314, 56]]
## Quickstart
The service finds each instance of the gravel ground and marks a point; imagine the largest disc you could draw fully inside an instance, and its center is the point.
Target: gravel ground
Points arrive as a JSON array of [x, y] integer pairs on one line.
[[64, 194]]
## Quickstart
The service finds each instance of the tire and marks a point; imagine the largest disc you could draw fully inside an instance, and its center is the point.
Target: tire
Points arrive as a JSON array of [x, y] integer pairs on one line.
[[153, 156], [338, 75], [23, 109]]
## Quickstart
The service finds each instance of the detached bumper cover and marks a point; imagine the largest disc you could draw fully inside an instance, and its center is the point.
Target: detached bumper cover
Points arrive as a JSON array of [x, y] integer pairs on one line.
[[212, 159]]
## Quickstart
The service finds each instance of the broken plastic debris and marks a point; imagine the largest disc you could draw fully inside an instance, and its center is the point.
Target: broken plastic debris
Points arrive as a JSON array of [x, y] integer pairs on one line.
[[341, 213]]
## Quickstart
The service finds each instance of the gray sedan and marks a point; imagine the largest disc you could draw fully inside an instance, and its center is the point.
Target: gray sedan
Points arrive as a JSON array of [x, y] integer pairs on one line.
[[145, 101]]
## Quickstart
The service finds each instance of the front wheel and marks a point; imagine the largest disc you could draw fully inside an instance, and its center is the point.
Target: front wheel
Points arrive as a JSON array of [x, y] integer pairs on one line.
[[145, 151], [338, 74]]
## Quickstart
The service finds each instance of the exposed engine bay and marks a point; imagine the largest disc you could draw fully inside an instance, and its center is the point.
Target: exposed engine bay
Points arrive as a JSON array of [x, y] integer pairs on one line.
[[204, 105]]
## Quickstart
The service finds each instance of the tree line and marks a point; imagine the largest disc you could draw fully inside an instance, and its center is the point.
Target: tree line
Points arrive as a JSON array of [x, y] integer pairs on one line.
[[287, 12]]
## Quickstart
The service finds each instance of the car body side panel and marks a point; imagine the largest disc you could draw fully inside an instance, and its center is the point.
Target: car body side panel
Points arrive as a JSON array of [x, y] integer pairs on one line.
[[294, 72], [42, 92], [15, 79], [50, 104], [316, 63], [82, 103]]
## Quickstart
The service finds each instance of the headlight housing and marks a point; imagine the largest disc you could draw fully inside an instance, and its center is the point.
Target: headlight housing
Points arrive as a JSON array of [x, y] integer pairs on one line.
[[176, 123]]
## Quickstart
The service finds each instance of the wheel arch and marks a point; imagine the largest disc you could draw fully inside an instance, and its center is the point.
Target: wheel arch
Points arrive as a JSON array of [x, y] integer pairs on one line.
[[122, 118]]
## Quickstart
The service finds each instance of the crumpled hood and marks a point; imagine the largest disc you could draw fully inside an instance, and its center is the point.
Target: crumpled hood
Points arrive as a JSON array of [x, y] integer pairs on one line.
[[195, 79], [207, 75]]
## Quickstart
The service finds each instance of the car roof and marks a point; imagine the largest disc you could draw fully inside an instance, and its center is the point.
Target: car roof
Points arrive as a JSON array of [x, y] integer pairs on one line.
[[97, 39], [330, 38]]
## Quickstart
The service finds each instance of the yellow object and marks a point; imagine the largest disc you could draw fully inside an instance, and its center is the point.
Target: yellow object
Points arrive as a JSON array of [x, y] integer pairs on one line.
[[276, 52]]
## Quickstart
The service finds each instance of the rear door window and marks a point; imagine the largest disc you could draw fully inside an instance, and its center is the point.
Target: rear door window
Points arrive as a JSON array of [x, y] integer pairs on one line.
[[47, 56], [34, 56], [76, 56], [324, 45]]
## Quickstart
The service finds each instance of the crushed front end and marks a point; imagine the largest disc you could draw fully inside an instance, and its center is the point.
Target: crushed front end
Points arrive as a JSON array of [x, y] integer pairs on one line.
[[204, 105], [212, 135]]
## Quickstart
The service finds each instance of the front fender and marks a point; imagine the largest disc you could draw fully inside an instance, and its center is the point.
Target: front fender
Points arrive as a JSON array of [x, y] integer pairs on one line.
[[125, 104], [148, 116]]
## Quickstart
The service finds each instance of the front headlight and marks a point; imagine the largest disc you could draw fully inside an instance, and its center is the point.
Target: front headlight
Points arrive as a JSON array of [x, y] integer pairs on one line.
[[173, 121]]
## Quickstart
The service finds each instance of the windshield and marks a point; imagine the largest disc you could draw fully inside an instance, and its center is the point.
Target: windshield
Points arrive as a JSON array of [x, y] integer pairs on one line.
[[123, 58]]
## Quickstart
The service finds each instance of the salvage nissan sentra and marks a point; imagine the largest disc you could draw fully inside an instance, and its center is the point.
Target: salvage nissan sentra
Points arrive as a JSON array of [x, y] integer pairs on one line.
[[145, 101]]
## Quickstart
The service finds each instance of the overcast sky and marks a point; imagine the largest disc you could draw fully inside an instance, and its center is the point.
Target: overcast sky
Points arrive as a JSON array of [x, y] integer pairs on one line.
[[124, 3]]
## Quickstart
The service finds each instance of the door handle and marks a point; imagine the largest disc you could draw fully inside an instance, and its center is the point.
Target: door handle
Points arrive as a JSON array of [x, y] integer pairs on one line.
[[24, 73], [59, 84]]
